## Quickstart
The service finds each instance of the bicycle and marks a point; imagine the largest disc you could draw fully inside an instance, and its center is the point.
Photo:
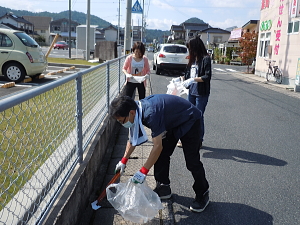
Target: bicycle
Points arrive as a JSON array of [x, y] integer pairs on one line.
[[273, 71]]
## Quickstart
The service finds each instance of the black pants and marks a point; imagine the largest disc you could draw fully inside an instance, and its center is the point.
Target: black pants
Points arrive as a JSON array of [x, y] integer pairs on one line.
[[130, 87], [191, 147]]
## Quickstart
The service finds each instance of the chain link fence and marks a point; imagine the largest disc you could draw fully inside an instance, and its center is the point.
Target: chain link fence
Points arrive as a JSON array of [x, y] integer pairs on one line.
[[43, 134]]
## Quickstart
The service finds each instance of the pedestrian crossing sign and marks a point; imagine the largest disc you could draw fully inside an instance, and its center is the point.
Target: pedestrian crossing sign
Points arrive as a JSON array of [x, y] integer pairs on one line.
[[137, 8]]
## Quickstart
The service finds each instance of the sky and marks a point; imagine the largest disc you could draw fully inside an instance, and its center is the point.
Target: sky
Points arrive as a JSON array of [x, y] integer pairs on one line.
[[159, 14]]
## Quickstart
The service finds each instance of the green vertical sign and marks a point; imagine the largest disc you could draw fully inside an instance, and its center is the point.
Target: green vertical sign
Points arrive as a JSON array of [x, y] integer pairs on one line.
[[297, 80]]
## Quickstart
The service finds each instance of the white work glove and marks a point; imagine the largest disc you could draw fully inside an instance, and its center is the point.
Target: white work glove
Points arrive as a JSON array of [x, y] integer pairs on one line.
[[175, 80], [138, 178], [188, 82], [121, 166]]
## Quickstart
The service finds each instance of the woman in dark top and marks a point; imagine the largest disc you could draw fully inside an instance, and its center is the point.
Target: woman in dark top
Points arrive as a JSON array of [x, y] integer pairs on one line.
[[197, 76]]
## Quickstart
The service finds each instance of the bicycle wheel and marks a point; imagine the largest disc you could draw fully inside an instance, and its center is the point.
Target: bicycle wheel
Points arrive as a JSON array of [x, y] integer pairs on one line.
[[278, 75], [269, 74]]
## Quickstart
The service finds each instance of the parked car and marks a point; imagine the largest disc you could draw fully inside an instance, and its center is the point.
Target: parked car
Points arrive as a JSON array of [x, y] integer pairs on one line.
[[150, 49], [170, 56], [20, 55], [61, 44]]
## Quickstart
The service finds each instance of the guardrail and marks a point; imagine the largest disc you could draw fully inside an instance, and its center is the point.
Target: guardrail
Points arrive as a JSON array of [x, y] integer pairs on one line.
[[43, 134]]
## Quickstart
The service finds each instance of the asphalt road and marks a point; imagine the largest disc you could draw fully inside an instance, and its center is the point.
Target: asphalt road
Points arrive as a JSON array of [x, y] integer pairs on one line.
[[250, 153], [60, 53]]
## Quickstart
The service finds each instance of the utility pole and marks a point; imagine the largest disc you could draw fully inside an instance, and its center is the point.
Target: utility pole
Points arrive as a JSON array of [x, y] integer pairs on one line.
[[142, 22], [127, 39], [70, 29], [119, 25], [88, 16]]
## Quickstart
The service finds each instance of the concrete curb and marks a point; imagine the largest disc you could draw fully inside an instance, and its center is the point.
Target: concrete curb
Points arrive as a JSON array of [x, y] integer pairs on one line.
[[68, 65]]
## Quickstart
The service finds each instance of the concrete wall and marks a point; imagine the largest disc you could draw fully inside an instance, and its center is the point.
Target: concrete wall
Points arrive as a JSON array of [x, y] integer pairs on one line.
[[106, 50], [76, 196]]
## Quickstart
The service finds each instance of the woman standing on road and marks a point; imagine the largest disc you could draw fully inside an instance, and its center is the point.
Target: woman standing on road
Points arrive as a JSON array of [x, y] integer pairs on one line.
[[136, 64], [197, 77]]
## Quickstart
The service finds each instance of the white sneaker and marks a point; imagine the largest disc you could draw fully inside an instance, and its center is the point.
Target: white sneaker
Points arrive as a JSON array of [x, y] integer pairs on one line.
[[179, 144]]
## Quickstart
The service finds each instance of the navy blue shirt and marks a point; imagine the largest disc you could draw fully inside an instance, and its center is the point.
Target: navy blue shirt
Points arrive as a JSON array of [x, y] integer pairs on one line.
[[163, 112]]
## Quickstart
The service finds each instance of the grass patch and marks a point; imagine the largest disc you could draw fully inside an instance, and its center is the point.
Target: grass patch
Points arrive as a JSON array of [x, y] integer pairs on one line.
[[72, 61], [29, 133]]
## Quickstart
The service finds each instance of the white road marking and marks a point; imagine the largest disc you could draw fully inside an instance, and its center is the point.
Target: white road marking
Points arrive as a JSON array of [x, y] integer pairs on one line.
[[52, 76], [231, 70], [220, 69]]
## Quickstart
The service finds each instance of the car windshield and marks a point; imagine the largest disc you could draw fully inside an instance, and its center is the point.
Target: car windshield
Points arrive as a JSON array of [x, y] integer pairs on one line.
[[175, 49], [26, 40], [61, 43]]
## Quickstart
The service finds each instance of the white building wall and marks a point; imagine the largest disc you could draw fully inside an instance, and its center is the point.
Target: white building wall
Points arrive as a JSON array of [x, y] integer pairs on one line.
[[285, 47], [111, 35], [46, 35], [81, 37]]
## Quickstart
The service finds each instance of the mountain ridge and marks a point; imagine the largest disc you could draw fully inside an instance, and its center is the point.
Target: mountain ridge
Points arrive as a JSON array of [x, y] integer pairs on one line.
[[95, 20]]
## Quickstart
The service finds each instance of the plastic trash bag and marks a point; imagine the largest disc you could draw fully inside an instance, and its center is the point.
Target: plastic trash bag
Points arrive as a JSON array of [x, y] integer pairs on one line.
[[138, 79], [135, 202], [176, 88]]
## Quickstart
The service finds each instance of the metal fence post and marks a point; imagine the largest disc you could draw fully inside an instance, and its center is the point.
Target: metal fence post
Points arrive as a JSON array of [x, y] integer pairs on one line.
[[107, 86], [79, 117], [119, 75]]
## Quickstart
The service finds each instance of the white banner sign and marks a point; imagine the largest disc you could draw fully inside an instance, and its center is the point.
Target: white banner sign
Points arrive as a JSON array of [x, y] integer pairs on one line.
[[294, 8]]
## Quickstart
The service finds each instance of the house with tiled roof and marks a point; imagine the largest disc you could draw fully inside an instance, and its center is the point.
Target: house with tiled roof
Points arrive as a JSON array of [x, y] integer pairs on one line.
[[41, 26], [214, 36], [210, 36], [17, 23], [177, 32], [185, 31], [192, 29], [61, 27]]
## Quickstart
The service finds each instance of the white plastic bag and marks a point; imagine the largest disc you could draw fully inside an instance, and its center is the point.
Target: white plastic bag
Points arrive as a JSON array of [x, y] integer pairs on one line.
[[138, 79], [176, 88], [135, 202]]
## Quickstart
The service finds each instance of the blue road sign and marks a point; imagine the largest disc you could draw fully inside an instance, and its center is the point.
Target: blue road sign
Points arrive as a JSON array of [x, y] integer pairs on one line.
[[137, 8]]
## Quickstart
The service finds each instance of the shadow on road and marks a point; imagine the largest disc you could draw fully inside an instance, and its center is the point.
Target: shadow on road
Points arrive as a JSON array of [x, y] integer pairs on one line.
[[218, 213], [242, 156]]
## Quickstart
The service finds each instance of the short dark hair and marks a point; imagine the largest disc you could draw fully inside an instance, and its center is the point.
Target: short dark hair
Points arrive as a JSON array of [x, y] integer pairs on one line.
[[139, 45], [121, 106]]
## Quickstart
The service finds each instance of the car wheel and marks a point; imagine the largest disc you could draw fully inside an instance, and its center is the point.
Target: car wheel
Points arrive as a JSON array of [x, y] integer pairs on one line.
[[157, 70], [154, 67], [14, 72]]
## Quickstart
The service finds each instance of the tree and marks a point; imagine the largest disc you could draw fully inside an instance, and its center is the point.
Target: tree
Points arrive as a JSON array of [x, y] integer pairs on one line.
[[248, 44], [40, 39]]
